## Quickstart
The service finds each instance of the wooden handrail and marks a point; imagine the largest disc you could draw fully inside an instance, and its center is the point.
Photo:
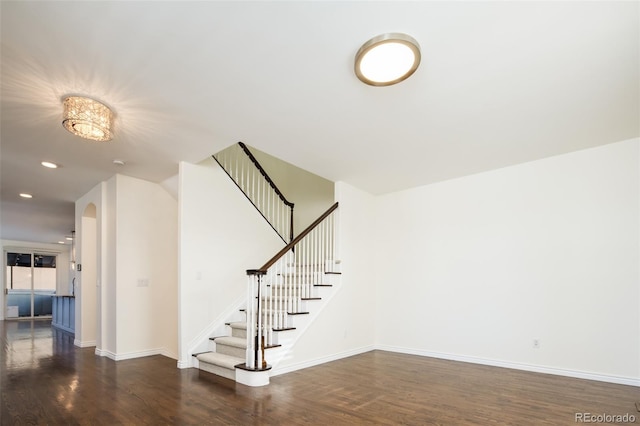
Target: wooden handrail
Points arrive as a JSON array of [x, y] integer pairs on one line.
[[262, 208], [264, 174], [296, 240]]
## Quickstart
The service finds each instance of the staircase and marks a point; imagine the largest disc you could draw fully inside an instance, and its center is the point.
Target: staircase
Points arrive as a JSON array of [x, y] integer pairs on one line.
[[227, 352], [286, 289], [281, 321]]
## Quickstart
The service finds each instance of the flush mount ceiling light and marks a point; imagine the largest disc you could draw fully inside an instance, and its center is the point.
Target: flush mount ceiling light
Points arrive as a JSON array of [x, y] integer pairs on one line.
[[49, 165], [87, 118], [387, 59]]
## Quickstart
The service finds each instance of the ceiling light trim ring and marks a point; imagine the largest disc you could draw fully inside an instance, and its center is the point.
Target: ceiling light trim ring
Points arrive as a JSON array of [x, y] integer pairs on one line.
[[382, 39]]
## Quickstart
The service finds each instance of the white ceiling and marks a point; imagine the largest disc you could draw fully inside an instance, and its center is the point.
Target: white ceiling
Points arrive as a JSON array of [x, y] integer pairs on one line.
[[500, 83]]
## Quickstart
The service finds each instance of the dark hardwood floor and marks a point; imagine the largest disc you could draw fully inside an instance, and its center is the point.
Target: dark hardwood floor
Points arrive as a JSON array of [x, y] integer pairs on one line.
[[45, 380]]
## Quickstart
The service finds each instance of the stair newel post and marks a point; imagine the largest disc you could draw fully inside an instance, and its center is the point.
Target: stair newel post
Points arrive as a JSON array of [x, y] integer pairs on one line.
[[255, 324], [260, 341], [256, 345], [250, 312]]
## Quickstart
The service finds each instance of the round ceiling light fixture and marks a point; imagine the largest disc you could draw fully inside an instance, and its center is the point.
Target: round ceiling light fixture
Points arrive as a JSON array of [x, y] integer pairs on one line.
[[87, 118], [387, 59], [49, 165]]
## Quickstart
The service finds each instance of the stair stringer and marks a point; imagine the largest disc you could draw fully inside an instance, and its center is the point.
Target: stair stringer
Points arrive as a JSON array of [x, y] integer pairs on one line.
[[217, 327], [289, 339]]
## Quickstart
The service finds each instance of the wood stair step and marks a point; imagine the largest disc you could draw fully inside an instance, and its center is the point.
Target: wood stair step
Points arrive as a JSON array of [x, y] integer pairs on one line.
[[272, 346]]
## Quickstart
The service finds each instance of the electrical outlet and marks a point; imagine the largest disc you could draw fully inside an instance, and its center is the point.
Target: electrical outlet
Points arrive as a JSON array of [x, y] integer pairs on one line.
[[536, 344]]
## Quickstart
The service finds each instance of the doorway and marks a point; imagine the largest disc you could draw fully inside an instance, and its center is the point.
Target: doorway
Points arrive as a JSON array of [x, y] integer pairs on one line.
[[89, 291], [31, 280]]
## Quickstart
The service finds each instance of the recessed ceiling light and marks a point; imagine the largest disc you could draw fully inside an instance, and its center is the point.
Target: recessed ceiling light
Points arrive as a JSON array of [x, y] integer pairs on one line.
[[60, 242], [118, 162], [49, 165], [387, 59], [69, 238], [25, 195]]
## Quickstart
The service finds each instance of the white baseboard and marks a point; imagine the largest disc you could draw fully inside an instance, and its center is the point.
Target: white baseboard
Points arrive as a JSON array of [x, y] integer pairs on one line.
[[137, 354], [85, 344], [189, 363], [317, 361], [630, 381], [104, 352]]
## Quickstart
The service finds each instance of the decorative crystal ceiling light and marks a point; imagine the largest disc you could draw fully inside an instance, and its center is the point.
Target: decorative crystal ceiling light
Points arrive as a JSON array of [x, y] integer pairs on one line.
[[87, 118], [387, 59]]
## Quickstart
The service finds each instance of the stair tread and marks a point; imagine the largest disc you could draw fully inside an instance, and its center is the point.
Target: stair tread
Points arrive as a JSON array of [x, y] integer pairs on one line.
[[221, 360], [241, 325], [275, 345], [238, 342]]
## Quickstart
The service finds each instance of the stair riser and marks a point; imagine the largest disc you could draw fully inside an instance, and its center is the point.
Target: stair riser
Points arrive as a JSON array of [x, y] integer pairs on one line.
[[286, 321], [281, 323], [216, 369], [231, 350], [288, 296], [237, 332]]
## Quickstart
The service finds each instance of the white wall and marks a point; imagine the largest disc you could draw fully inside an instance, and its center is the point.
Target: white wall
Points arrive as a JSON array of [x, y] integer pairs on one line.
[[87, 278], [221, 235], [92, 321], [109, 289], [478, 267], [311, 194], [135, 305], [146, 276], [346, 325]]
